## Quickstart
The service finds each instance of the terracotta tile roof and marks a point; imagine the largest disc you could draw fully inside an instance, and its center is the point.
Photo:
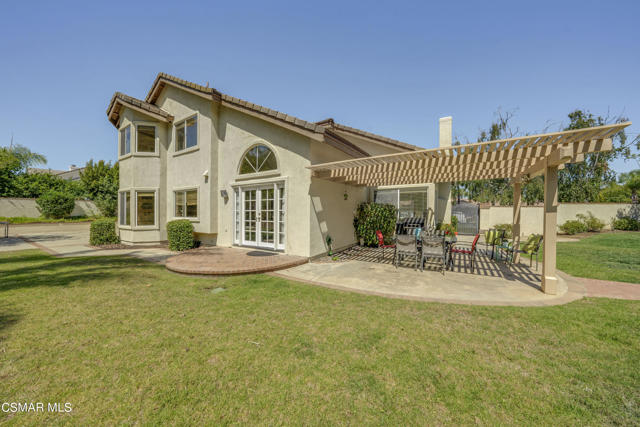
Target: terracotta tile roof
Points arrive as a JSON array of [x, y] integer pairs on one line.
[[321, 128], [113, 111], [330, 123]]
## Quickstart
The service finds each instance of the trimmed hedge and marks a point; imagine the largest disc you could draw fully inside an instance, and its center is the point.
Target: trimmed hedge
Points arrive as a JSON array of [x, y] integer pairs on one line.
[[374, 216], [180, 235], [56, 204], [573, 226], [626, 224], [103, 232]]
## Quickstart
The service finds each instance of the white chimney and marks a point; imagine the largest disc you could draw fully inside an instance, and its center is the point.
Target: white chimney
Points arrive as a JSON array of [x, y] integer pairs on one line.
[[446, 131]]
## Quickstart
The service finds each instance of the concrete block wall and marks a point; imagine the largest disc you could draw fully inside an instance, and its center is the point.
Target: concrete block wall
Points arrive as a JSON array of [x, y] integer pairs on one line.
[[10, 207], [532, 216]]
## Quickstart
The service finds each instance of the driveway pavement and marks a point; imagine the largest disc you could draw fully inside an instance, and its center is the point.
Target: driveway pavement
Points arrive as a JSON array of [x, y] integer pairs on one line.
[[69, 240]]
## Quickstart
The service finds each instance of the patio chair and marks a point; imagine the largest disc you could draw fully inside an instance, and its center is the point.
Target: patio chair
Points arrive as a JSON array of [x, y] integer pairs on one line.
[[406, 245], [432, 247], [530, 247], [492, 238], [382, 245], [465, 250]]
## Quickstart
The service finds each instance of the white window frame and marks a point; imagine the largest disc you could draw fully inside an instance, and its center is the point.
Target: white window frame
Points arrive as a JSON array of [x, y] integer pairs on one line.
[[121, 192], [156, 221], [247, 176], [183, 121], [123, 128], [184, 190], [155, 152]]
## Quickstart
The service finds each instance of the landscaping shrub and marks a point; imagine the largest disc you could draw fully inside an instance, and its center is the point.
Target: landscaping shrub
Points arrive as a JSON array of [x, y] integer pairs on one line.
[[626, 223], [508, 228], [591, 222], [56, 204], [374, 216], [454, 222], [448, 228], [103, 232], [180, 235], [573, 226]]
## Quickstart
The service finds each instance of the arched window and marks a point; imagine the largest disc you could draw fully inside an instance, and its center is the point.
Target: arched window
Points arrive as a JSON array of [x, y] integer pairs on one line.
[[258, 159]]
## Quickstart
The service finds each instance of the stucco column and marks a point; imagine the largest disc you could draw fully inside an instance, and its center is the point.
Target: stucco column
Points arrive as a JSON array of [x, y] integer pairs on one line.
[[445, 139], [517, 204], [549, 279]]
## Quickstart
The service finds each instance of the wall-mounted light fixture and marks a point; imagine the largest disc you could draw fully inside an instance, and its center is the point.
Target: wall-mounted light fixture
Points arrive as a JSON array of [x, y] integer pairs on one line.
[[224, 194]]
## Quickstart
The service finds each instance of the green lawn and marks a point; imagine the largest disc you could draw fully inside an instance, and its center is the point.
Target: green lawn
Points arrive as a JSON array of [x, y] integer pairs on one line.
[[32, 220], [125, 341], [606, 256]]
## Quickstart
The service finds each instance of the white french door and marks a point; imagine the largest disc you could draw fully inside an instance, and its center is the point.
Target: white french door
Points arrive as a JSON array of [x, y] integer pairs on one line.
[[262, 211]]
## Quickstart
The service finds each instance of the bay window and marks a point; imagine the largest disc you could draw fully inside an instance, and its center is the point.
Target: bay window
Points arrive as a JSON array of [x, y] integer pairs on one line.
[[125, 140], [145, 208], [145, 139], [125, 208]]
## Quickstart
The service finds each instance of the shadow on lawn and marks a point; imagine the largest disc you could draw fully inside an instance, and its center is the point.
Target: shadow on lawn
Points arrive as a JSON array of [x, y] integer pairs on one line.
[[45, 270]]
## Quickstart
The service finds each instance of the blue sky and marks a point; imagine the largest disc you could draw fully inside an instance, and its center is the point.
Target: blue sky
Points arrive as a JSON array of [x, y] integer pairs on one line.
[[391, 68]]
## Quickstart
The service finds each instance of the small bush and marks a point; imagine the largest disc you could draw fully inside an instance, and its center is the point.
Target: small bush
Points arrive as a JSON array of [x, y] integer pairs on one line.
[[374, 216], [56, 204], [447, 228], [626, 223], [508, 228], [180, 235], [591, 222], [103, 232], [573, 226], [107, 204]]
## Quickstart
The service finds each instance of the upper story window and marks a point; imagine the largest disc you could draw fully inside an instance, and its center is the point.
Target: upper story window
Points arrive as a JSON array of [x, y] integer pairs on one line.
[[258, 159], [125, 140], [145, 139], [187, 133]]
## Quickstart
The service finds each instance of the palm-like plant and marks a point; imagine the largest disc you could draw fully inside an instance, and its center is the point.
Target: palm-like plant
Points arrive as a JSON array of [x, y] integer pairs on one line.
[[26, 157]]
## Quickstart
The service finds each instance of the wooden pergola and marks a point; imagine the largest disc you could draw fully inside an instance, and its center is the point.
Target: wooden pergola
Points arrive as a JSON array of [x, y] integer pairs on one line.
[[514, 158]]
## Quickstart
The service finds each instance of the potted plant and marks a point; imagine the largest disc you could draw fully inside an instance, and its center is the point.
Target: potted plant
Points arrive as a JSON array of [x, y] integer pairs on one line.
[[329, 242]]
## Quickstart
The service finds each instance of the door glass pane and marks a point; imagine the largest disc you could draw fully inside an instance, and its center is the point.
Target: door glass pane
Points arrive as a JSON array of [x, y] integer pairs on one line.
[[281, 216], [179, 203], [266, 216], [146, 208], [192, 203], [250, 216], [146, 138], [192, 132]]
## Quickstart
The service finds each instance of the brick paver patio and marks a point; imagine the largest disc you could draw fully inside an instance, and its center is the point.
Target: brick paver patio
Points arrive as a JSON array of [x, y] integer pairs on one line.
[[227, 261]]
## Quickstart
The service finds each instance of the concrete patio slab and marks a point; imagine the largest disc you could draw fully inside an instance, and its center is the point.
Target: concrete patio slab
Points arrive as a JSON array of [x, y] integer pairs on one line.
[[492, 283]]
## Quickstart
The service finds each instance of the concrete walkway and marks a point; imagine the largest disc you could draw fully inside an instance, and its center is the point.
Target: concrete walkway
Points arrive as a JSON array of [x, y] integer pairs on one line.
[[69, 240]]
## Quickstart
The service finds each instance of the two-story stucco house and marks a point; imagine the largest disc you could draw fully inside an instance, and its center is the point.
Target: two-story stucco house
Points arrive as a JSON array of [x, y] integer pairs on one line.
[[238, 171]]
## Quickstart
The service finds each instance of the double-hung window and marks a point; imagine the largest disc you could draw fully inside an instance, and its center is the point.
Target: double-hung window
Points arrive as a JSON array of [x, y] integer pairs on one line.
[[145, 208], [125, 140], [125, 208], [187, 133], [186, 204]]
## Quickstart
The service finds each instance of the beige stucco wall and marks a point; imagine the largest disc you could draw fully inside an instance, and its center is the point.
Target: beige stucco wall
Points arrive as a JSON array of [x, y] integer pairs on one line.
[[532, 216], [11, 207], [238, 133], [332, 215]]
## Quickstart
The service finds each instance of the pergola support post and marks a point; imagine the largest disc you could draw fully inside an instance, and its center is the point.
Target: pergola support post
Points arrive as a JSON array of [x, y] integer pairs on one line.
[[517, 204], [549, 278]]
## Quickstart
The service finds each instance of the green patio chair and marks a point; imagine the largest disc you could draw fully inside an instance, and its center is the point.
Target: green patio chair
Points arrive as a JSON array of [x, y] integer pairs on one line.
[[530, 247], [492, 238]]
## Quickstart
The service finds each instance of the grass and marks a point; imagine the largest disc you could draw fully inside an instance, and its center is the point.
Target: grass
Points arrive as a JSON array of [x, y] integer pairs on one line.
[[606, 256], [125, 341], [31, 220]]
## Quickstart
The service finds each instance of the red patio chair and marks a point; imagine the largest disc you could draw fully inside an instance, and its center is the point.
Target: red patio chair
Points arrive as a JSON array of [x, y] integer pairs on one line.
[[382, 245], [465, 251]]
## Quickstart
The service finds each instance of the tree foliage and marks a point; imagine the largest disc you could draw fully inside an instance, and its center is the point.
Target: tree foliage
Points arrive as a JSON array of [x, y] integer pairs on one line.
[[26, 157], [100, 181], [589, 181]]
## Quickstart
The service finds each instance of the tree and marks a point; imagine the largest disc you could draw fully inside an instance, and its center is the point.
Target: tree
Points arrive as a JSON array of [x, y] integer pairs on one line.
[[9, 168], [26, 157], [36, 184], [101, 182]]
